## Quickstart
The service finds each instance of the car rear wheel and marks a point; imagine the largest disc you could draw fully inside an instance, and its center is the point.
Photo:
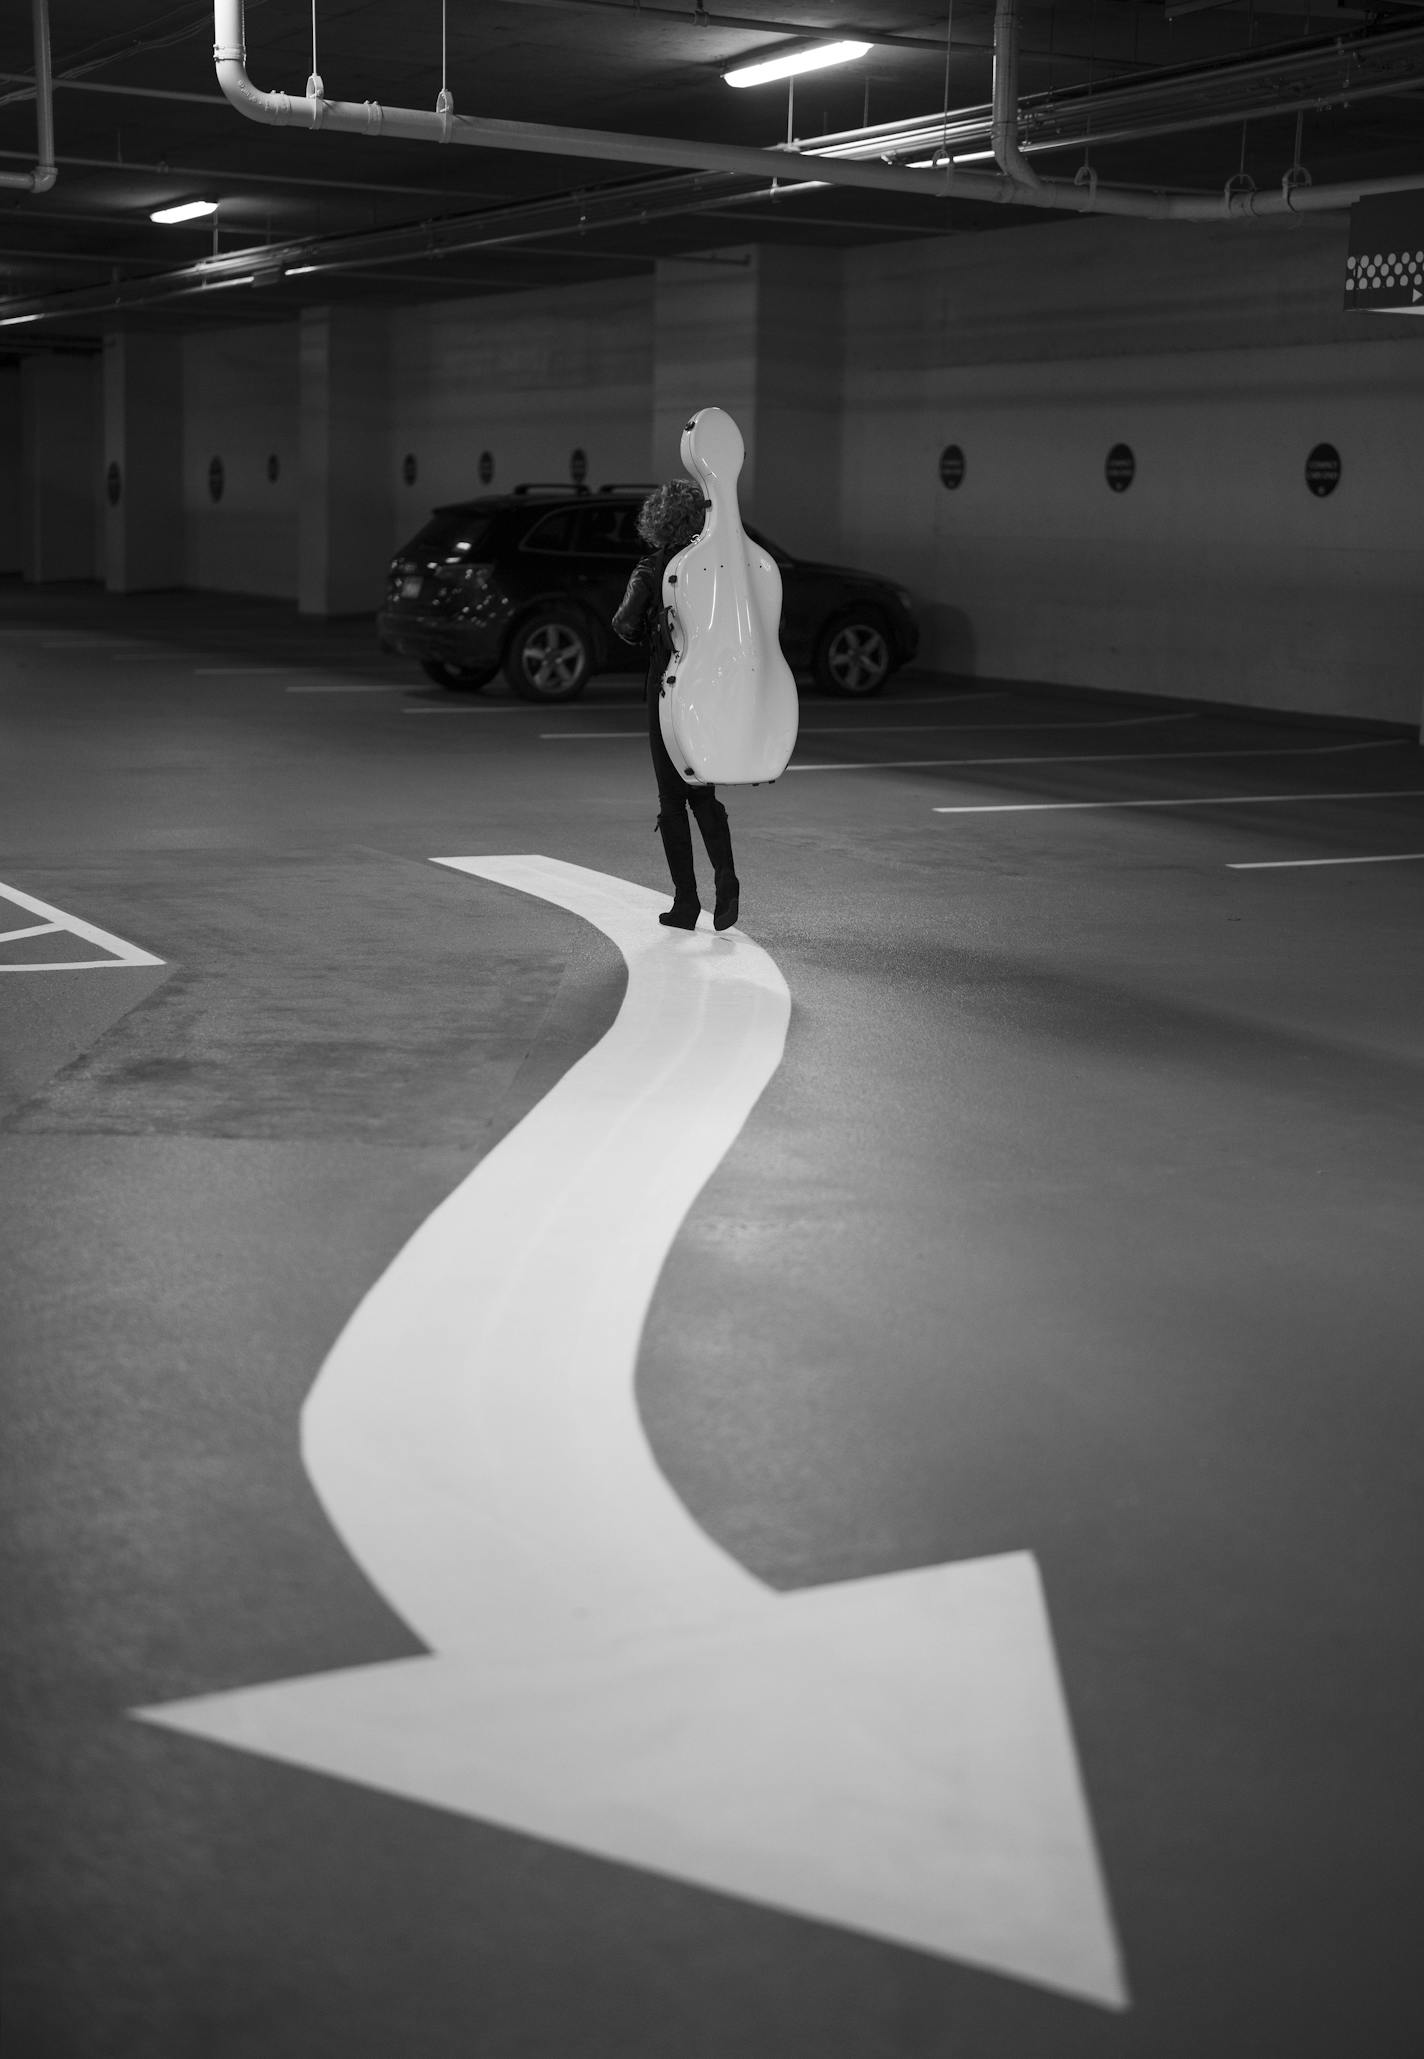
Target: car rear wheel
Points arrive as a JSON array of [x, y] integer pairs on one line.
[[466, 678], [550, 658], [853, 657]]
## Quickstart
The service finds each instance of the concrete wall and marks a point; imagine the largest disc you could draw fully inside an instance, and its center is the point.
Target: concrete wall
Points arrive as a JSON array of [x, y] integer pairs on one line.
[[1221, 357], [529, 377], [240, 405], [11, 470], [1220, 354]]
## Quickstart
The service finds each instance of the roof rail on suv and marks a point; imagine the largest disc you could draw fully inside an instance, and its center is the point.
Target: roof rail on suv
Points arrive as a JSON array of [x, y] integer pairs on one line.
[[629, 486], [564, 491]]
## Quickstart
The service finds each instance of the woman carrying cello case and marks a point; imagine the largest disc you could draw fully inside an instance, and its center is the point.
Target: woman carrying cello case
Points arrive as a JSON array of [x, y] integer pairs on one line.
[[722, 702]]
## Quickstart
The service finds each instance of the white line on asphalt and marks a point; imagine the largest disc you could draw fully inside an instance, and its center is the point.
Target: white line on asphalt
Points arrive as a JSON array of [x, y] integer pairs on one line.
[[884, 729], [1294, 864], [1104, 757], [930, 701], [243, 671], [373, 687], [123, 953], [1387, 793], [889, 1753], [527, 709], [36, 929]]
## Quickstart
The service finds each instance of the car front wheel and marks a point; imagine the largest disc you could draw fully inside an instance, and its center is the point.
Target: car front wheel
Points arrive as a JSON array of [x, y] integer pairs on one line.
[[549, 659], [853, 657]]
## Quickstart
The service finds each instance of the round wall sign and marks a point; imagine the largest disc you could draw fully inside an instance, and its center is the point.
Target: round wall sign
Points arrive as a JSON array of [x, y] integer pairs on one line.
[[1322, 470], [409, 468], [951, 466], [274, 468], [1121, 468], [114, 483], [486, 467], [215, 479], [578, 466]]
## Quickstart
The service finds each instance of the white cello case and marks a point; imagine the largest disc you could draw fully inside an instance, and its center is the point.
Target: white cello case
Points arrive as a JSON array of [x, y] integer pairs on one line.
[[728, 704]]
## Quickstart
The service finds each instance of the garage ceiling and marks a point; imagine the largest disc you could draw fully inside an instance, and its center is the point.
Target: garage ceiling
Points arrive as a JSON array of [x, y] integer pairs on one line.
[[140, 123]]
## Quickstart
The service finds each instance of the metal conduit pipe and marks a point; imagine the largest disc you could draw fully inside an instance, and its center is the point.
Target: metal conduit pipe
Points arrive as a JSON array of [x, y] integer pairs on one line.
[[46, 171], [1022, 187], [1166, 105], [443, 125], [1004, 120]]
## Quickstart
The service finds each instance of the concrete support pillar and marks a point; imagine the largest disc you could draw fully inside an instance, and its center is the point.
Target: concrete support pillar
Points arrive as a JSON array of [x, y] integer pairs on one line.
[[759, 334], [346, 515], [61, 443], [143, 463], [12, 471]]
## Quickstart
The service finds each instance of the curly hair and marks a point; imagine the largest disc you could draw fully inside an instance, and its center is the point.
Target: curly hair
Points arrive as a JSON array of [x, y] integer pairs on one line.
[[672, 515]]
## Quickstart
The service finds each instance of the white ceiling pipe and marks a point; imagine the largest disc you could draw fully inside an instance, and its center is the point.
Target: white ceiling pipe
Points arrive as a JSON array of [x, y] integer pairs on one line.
[[46, 171], [369, 118], [1004, 119]]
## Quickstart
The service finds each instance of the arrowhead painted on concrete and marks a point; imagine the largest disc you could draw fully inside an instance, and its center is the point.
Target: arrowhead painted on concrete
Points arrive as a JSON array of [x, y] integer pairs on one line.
[[892, 1754]]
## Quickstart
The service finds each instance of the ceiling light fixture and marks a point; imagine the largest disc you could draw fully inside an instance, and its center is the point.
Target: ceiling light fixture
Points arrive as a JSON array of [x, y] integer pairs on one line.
[[9, 321], [295, 271], [790, 62], [185, 211]]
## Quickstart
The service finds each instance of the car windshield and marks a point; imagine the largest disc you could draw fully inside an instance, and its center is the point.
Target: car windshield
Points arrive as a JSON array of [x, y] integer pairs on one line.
[[455, 532]]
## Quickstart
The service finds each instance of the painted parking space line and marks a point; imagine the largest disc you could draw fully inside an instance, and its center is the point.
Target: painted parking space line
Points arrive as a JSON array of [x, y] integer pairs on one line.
[[1388, 793], [523, 708], [1299, 864], [373, 686], [1105, 757], [886, 728], [55, 921], [890, 1754]]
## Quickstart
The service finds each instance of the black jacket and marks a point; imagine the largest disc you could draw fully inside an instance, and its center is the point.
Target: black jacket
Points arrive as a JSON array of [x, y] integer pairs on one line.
[[641, 617]]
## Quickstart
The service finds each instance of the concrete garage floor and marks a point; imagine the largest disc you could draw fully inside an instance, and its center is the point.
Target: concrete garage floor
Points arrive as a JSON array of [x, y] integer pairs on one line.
[[1081, 1218]]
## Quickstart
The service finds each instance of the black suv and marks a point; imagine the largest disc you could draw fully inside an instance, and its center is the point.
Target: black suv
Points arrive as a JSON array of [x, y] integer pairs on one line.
[[528, 583]]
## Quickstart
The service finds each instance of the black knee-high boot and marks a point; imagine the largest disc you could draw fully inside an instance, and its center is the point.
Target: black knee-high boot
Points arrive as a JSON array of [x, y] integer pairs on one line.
[[677, 849], [717, 835]]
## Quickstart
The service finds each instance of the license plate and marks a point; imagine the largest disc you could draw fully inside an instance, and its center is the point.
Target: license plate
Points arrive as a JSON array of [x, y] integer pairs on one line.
[[410, 588]]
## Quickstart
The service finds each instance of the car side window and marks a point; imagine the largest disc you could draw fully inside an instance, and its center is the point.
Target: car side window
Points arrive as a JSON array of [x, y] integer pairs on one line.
[[610, 530], [554, 533]]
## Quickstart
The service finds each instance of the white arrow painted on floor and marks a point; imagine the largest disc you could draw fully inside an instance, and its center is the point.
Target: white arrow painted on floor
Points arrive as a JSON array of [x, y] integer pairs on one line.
[[890, 1754]]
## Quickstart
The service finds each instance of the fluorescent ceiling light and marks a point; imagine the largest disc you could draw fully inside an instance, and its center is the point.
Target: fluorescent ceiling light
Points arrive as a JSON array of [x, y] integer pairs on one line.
[[9, 321], [792, 61], [295, 271], [186, 211]]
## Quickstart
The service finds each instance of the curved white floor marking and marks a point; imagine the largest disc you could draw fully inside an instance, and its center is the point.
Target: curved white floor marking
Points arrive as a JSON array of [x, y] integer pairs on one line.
[[890, 1754]]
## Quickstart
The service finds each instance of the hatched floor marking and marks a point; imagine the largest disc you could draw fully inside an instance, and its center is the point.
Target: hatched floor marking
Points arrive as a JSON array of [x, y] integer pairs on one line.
[[56, 922], [891, 1754]]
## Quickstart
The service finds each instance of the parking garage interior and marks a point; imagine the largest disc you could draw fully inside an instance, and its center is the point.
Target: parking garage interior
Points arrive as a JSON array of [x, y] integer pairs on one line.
[[841, 1488]]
